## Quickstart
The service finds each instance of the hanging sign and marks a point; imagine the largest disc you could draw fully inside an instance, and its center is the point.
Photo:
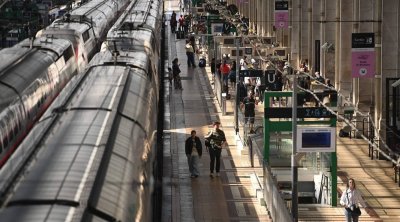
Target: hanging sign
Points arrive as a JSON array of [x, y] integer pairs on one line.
[[281, 14], [363, 55]]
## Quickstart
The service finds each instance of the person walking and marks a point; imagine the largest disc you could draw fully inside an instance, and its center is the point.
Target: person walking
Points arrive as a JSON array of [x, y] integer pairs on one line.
[[249, 103], [215, 140], [176, 74], [243, 63], [181, 21], [351, 199], [212, 66], [190, 54], [193, 150], [225, 70], [242, 89], [173, 22]]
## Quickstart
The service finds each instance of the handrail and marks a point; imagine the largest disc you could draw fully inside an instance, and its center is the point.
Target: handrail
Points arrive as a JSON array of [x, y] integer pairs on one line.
[[3, 2]]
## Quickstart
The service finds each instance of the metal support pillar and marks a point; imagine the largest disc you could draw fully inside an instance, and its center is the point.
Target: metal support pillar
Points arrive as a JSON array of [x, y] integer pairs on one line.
[[294, 162], [237, 102]]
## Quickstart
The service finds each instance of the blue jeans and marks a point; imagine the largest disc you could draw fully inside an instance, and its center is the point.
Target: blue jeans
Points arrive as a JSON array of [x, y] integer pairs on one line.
[[190, 59], [193, 162], [350, 217]]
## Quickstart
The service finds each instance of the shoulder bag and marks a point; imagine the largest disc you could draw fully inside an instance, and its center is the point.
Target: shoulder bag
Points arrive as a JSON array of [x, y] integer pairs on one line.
[[353, 209]]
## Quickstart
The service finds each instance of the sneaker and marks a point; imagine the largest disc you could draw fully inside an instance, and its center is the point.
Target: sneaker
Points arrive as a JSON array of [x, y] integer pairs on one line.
[[192, 176], [217, 175], [211, 175], [196, 176]]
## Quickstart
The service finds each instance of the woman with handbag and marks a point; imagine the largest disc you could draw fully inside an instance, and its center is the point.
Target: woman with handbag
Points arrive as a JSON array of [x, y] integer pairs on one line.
[[351, 199]]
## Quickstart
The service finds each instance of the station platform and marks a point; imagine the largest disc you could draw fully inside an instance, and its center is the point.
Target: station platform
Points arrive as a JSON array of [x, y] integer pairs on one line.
[[233, 196]]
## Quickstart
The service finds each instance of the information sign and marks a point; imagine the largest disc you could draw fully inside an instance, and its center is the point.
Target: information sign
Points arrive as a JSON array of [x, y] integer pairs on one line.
[[302, 112], [251, 73], [281, 14], [363, 55]]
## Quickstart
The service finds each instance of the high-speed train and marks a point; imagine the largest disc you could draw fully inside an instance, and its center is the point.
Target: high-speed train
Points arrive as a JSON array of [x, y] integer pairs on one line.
[[85, 27], [33, 72], [91, 156]]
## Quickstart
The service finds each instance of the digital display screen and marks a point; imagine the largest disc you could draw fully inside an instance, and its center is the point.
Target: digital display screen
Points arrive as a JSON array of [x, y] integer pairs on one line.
[[218, 28], [316, 139], [229, 41], [248, 51], [234, 53], [267, 41], [280, 52]]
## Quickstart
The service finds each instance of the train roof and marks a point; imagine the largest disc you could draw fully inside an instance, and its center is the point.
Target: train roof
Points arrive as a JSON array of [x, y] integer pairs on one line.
[[58, 46], [140, 14], [92, 8], [135, 29], [9, 56], [64, 28], [17, 66], [137, 59], [64, 171]]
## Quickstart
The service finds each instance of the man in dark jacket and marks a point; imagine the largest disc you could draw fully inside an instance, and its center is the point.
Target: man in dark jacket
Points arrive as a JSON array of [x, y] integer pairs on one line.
[[193, 150], [249, 104], [215, 140]]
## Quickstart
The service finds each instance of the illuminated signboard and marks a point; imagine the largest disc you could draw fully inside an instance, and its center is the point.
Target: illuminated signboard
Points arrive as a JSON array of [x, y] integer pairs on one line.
[[316, 139]]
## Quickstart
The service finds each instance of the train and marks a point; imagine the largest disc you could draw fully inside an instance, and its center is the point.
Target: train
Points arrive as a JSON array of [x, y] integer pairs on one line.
[[33, 72], [86, 26], [31, 76], [91, 156]]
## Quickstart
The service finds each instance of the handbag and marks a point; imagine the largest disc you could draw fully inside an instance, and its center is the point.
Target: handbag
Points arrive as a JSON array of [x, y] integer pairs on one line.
[[354, 209]]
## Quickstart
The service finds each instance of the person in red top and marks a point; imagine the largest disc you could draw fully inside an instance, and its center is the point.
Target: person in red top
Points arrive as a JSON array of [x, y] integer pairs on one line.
[[225, 70], [181, 23]]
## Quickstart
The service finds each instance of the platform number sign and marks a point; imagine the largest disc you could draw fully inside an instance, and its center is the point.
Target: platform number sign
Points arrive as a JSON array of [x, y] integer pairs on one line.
[[281, 14], [363, 55]]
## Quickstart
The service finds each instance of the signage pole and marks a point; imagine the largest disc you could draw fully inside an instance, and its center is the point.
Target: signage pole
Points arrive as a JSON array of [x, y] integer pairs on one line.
[[237, 102], [294, 139]]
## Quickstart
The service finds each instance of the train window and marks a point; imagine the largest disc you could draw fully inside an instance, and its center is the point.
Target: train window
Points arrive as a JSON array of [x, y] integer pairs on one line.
[[3, 135], [85, 36], [150, 72], [68, 53], [127, 26], [5, 140], [11, 135]]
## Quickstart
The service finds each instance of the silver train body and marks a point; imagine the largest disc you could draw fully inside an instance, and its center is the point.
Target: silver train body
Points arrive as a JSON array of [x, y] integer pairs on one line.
[[91, 156], [32, 74], [85, 27]]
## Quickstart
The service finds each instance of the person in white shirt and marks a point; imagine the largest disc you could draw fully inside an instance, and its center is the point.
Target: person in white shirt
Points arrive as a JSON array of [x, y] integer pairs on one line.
[[351, 199], [243, 63]]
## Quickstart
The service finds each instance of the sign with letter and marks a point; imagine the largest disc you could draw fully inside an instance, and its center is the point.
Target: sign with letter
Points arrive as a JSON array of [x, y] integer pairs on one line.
[[281, 14], [271, 80], [363, 55]]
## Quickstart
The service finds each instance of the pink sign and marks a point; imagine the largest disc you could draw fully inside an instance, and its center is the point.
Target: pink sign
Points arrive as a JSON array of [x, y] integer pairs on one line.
[[363, 63], [281, 19]]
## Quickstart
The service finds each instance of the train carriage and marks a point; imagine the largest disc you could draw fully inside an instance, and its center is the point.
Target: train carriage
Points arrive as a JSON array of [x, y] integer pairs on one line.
[[32, 73], [92, 154], [85, 26]]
